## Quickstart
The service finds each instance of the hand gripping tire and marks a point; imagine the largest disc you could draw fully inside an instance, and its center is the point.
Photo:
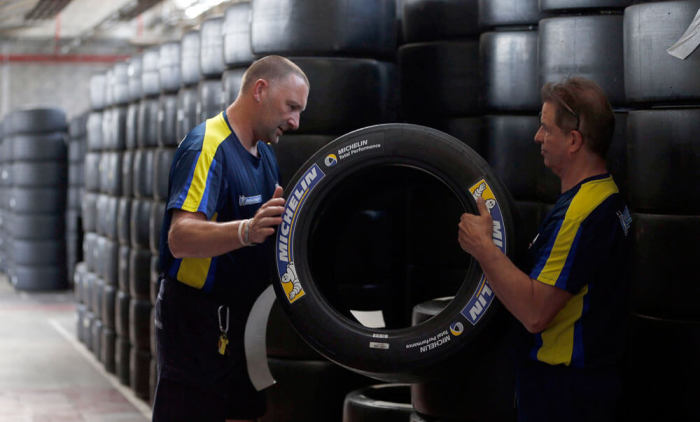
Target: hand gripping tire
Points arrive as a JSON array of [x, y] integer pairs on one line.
[[399, 355]]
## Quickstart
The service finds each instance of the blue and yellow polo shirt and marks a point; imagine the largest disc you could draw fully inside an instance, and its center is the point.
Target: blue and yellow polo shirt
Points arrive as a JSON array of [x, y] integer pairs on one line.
[[214, 174], [581, 248]]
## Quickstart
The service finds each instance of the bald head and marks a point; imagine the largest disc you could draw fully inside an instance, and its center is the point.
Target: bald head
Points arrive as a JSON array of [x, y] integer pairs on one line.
[[270, 68]]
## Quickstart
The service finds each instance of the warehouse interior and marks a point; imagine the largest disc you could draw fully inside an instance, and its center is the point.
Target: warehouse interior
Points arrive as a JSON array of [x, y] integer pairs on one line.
[[96, 97]]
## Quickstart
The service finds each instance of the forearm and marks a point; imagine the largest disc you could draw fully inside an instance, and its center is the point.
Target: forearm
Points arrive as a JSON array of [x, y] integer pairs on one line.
[[515, 289], [198, 238]]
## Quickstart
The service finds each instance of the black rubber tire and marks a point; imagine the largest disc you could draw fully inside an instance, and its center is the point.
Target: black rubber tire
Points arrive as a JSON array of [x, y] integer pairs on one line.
[[189, 53], [77, 147], [36, 226], [38, 252], [127, 173], [107, 127], [663, 248], [109, 299], [89, 212], [169, 67], [661, 367], [110, 261], [40, 174], [167, 120], [89, 280], [308, 390], [147, 123], [108, 349], [75, 198], [124, 221], [88, 322], [236, 34], [124, 268], [140, 215], [510, 70], [36, 200], [111, 216], [430, 20], [35, 121], [76, 174], [140, 323], [187, 115], [651, 74], [580, 5], [121, 314], [92, 171], [211, 48], [150, 85], [50, 146], [210, 99], [101, 205], [96, 336], [118, 128], [665, 141], [122, 359], [139, 372], [469, 130], [587, 46], [459, 397], [393, 355], [39, 278], [440, 79], [134, 71], [94, 131], [161, 172], [140, 274], [120, 87], [360, 92], [283, 341], [494, 13], [143, 173], [132, 117], [80, 311], [293, 150], [516, 159], [155, 221], [113, 171], [89, 251], [382, 402], [360, 28], [231, 83], [97, 91]]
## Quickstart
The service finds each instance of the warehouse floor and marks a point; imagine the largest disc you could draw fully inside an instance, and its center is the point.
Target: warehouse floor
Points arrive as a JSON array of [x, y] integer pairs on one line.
[[46, 375]]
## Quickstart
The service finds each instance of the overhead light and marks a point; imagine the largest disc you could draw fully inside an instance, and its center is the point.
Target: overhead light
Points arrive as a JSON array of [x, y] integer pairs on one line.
[[199, 7]]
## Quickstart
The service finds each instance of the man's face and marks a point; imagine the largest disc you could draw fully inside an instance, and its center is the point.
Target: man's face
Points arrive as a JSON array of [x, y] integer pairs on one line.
[[283, 104], [552, 139]]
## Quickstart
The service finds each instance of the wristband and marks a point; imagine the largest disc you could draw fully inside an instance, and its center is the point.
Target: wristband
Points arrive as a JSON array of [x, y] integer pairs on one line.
[[246, 232], [243, 240]]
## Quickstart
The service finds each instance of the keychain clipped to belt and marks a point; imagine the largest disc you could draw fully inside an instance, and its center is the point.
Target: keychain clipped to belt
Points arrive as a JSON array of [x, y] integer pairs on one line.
[[223, 338]]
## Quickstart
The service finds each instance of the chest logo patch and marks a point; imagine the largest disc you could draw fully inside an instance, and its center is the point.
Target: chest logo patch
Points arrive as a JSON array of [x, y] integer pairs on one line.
[[249, 200]]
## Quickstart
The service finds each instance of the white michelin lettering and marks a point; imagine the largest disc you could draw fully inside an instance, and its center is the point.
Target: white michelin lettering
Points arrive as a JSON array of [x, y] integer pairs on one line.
[[292, 205], [497, 234], [481, 302]]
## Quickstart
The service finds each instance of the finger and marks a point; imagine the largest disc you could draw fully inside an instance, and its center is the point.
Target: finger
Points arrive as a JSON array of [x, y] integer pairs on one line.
[[278, 192], [275, 202], [270, 211], [268, 222], [481, 204]]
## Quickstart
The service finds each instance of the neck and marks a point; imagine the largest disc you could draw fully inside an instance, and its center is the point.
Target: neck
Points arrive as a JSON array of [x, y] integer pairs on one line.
[[240, 123], [580, 171]]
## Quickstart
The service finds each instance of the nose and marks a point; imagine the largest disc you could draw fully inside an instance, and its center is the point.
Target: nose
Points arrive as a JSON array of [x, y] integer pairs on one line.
[[539, 136], [293, 121]]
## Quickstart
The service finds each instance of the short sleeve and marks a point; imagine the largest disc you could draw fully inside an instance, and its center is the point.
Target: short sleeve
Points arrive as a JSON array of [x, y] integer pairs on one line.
[[195, 182]]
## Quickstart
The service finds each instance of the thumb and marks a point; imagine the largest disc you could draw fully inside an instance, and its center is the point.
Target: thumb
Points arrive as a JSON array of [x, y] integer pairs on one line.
[[278, 192], [481, 204]]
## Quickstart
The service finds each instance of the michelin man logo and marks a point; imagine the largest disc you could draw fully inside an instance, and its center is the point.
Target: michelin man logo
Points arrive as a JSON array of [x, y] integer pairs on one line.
[[290, 276]]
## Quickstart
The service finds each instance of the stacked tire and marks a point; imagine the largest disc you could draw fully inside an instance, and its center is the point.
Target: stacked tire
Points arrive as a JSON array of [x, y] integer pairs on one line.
[[187, 115], [511, 98], [347, 50], [4, 190], [36, 142], [662, 153], [140, 256], [77, 130], [237, 53], [210, 100], [439, 68]]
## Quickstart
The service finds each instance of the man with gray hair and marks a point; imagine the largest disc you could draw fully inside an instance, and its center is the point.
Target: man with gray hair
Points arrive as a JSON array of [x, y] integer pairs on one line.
[[572, 300], [223, 204]]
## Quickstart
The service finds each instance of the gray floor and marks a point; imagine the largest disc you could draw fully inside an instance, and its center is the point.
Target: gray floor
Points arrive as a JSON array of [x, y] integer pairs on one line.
[[46, 374]]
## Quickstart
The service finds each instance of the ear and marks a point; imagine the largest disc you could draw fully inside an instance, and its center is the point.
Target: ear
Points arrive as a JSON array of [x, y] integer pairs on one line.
[[259, 89], [575, 141]]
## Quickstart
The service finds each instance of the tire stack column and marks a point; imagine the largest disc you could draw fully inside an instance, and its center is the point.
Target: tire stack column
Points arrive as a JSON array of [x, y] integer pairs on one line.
[[210, 100], [167, 140], [347, 50], [37, 198], [663, 154], [237, 53], [140, 255], [4, 193], [187, 116], [77, 146]]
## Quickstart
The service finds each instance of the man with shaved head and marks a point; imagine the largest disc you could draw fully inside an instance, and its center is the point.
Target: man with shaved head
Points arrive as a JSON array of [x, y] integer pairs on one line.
[[223, 204]]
